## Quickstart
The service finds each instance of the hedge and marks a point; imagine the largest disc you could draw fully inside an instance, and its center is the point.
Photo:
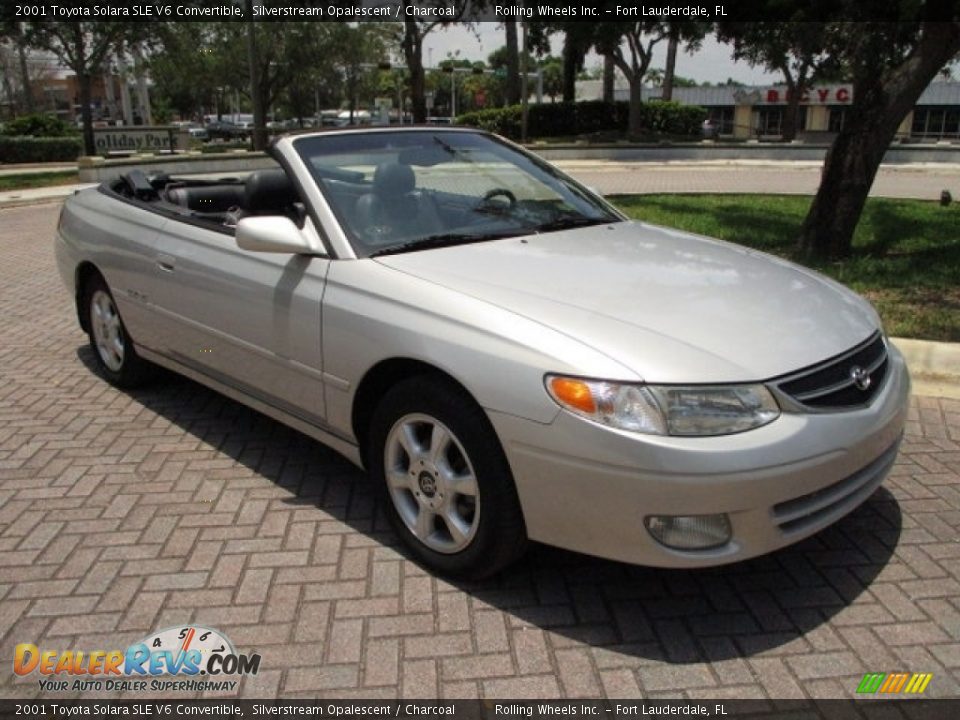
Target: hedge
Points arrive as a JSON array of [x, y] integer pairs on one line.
[[39, 149], [39, 125], [583, 118]]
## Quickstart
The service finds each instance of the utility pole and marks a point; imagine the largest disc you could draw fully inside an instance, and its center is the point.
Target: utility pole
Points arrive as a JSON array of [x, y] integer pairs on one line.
[[523, 84], [453, 95]]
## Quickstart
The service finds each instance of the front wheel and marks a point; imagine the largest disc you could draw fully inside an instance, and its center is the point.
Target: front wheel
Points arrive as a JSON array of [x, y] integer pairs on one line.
[[116, 358], [450, 495]]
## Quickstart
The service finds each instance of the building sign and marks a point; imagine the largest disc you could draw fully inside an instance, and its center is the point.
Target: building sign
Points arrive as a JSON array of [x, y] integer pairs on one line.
[[135, 139], [827, 95]]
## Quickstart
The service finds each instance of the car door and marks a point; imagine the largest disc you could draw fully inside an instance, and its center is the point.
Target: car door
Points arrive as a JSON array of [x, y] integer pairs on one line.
[[250, 320]]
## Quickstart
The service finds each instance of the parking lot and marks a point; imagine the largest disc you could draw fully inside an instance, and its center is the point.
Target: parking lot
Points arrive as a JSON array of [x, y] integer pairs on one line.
[[126, 513]]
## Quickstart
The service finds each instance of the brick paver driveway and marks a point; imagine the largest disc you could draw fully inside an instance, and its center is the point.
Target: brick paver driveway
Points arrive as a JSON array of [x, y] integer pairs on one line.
[[124, 513]]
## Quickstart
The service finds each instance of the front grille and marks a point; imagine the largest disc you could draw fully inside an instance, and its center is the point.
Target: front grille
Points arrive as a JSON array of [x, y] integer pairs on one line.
[[809, 510], [832, 385]]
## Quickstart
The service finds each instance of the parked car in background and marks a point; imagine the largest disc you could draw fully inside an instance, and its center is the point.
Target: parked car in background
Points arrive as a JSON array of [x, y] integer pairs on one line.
[[507, 355], [225, 130], [195, 129], [198, 132]]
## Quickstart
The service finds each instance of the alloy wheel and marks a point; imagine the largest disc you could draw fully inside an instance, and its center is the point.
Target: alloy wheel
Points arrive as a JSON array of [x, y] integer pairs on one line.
[[432, 483]]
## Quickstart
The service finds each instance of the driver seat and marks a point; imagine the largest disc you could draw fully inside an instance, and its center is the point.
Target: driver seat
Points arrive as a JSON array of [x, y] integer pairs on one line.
[[395, 209]]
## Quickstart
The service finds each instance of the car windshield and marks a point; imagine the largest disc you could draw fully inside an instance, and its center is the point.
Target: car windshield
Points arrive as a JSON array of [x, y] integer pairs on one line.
[[410, 190]]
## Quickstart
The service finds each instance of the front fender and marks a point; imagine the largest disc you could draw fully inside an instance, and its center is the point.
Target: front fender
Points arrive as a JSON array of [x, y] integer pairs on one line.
[[372, 313]]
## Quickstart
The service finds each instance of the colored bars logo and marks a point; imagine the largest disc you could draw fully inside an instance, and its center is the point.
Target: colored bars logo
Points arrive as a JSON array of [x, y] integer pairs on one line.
[[908, 683]]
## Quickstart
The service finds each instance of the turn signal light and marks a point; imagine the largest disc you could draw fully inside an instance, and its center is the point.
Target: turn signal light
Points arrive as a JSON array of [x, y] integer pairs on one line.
[[574, 393]]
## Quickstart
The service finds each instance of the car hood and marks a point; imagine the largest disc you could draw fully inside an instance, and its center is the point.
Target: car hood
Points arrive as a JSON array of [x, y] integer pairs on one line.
[[672, 307]]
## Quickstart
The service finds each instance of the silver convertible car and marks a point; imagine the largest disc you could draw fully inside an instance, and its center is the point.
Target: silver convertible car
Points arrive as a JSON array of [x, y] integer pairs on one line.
[[507, 355]]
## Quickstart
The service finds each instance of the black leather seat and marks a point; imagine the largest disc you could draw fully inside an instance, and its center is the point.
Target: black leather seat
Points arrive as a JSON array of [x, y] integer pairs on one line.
[[269, 192], [207, 198], [394, 209]]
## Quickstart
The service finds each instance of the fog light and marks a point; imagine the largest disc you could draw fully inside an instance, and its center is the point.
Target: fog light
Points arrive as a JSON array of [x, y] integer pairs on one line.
[[689, 532]]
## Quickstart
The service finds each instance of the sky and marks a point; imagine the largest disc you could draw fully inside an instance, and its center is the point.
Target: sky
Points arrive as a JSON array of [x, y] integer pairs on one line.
[[712, 63]]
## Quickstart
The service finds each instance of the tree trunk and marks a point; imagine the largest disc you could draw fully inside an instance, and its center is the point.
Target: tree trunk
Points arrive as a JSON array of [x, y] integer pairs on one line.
[[9, 93], [413, 54], [570, 63], [668, 72], [608, 75], [634, 126], [259, 137], [25, 76], [791, 113], [880, 103], [512, 85], [84, 82]]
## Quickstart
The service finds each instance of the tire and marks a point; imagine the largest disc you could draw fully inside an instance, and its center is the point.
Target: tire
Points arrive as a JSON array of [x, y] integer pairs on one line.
[[113, 351], [428, 438]]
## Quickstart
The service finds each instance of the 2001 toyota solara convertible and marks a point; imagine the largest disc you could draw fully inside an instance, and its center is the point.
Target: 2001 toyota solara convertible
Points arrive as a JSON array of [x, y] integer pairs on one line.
[[505, 353]]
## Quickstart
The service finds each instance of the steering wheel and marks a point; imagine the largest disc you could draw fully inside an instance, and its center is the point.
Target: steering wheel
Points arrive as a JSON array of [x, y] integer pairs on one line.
[[498, 192]]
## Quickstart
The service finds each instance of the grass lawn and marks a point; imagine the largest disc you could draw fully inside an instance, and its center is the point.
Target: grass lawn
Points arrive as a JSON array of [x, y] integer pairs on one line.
[[25, 181], [906, 258]]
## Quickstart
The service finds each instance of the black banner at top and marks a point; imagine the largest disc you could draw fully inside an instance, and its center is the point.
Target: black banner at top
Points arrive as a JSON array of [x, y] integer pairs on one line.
[[452, 11]]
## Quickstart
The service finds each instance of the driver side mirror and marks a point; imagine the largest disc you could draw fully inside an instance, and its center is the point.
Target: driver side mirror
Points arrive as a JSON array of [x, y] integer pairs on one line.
[[271, 233]]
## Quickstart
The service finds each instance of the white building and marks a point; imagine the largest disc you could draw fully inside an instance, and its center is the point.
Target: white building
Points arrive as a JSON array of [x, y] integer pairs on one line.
[[758, 111]]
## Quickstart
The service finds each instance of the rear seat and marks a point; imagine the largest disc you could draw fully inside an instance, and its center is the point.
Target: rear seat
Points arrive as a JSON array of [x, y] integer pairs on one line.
[[264, 192], [207, 198]]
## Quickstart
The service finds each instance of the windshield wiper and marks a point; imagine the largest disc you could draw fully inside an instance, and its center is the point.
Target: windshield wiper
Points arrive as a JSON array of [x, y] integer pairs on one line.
[[444, 240], [572, 221]]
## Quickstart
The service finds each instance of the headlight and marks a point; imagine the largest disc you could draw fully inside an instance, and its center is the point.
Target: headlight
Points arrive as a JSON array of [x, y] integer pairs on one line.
[[695, 410]]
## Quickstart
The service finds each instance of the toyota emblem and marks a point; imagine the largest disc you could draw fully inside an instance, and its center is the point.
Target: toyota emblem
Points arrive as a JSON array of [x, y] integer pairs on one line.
[[861, 378]]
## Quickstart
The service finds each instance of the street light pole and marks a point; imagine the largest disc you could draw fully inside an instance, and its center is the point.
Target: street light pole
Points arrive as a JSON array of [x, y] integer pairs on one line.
[[523, 83]]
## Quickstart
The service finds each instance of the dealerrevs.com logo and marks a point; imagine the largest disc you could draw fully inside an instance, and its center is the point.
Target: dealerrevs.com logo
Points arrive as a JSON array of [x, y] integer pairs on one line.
[[190, 658]]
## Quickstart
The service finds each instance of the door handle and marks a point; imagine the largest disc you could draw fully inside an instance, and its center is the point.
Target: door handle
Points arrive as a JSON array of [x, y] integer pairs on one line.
[[166, 262]]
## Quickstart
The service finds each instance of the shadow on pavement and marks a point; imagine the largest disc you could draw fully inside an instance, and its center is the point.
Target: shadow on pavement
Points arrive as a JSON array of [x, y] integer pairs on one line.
[[674, 616]]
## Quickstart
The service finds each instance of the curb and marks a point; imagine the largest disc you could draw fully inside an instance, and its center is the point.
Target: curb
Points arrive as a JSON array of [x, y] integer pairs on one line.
[[934, 366], [31, 196], [930, 358]]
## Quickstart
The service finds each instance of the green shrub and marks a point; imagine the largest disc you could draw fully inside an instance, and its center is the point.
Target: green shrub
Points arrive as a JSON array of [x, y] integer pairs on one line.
[[39, 125], [673, 118], [584, 118], [39, 149], [502, 121]]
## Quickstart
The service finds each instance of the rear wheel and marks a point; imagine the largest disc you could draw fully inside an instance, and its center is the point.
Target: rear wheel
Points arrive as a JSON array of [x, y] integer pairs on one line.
[[450, 495], [113, 351]]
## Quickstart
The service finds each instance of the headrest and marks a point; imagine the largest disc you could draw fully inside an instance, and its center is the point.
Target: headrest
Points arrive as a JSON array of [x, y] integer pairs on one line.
[[393, 179], [269, 190]]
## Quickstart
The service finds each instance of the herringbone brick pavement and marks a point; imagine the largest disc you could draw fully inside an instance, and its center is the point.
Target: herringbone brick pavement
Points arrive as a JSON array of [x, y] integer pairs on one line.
[[124, 513]]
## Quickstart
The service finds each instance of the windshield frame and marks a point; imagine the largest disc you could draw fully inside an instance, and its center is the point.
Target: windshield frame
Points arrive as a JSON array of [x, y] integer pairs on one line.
[[363, 250]]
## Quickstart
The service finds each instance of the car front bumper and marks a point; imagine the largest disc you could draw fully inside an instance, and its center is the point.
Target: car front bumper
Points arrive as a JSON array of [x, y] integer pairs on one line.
[[588, 488]]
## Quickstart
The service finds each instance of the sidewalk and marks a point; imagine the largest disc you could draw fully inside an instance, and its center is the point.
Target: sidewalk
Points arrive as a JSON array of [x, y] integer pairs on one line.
[[34, 168]]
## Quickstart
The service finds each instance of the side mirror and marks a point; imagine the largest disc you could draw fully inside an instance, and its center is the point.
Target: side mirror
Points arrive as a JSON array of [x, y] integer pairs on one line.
[[272, 234]]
